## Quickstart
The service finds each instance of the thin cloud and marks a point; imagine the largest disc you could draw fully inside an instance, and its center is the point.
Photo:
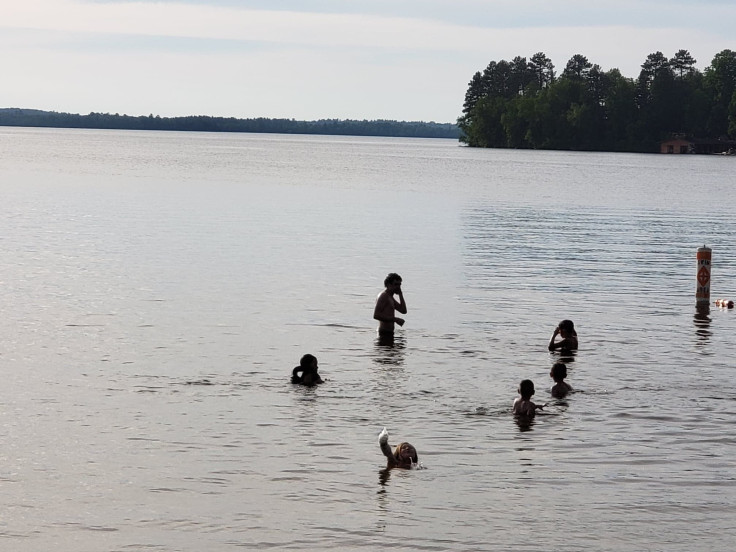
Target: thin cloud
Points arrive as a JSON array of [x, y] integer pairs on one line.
[[304, 28], [400, 60]]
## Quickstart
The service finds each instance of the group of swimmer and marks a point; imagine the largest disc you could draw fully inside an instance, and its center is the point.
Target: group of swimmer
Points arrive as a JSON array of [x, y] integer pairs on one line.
[[391, 300], [523, 405]]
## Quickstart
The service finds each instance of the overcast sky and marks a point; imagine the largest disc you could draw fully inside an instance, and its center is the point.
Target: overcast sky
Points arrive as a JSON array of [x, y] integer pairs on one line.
[[347, 59]]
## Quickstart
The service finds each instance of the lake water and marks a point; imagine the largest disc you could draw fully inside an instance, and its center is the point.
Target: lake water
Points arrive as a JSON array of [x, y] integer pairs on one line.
[[158, 288]]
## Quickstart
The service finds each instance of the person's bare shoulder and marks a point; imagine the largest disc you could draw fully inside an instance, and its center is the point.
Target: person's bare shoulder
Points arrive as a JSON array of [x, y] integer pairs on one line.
[[381, 297]]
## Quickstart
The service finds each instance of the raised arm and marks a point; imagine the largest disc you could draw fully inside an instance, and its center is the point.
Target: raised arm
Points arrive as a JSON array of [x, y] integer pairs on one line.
[[552, 345], [400, 305], [295, 377], [385, 448]]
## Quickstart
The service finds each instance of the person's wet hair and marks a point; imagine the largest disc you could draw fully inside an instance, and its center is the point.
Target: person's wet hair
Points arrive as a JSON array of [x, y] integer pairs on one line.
[[391, 278], [559, 371], [568, 326], [526, 388], [414, 457]]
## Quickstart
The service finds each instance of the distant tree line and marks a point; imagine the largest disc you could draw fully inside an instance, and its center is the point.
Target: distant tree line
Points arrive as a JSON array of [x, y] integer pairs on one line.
[[39, 118], [523, 104]]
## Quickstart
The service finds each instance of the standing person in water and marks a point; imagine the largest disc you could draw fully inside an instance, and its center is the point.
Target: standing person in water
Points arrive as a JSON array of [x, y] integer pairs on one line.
[[404, 456], [386, 305], [569, 341], [307, 371]]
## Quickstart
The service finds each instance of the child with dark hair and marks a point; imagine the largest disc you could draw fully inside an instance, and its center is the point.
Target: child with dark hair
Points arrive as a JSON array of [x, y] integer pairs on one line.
[[306, 373], [561, 387], [569, 341], [523, 405]]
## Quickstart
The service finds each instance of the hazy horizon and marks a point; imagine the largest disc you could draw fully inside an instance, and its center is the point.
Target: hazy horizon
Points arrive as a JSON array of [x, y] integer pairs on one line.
[[224, 116]]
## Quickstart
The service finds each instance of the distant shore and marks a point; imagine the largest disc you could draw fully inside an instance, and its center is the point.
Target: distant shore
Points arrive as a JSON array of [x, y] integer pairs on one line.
[[21, 117]]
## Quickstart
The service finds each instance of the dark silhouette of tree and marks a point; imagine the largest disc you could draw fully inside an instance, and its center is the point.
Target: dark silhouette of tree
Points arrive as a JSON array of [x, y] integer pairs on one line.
[[683, 63], [577, 67], [542, 70], [720, 82], [497, 79], [520, 77], [486, 130], [476, 90], [591, 109], [654, 65], [37, 118], [621, 113]]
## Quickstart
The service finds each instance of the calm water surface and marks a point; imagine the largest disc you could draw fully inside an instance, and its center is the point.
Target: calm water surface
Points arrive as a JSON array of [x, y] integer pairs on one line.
[[157, 289]]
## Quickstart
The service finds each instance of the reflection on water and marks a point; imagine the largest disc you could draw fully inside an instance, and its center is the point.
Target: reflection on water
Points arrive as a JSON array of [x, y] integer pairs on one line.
[[383, 477], [702, 321], [562, 404], [566, 357], [524, 423], [390, 349], [385, 339]]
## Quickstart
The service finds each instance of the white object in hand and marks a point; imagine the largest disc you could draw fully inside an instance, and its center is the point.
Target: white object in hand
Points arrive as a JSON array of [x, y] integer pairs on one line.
[[383, 437]]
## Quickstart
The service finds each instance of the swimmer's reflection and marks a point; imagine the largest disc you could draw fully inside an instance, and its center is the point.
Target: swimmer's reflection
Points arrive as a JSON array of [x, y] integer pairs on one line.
[[390, 349], [525, 423], [386, 339], [701, 319], [383, 477], [567, 356]]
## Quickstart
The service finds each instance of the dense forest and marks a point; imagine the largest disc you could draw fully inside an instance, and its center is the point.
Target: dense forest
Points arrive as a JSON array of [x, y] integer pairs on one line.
[[524, 104], [38, 118]]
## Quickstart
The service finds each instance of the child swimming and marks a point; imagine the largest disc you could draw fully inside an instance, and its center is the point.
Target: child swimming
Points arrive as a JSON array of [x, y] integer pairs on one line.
[[569, 341], [523, 405], [309, 375], [404, 456], [561, 387]]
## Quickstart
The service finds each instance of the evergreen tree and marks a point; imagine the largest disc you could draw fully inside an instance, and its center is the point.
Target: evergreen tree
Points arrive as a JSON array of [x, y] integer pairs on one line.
[[720, 81], [591, 109], [577, 67], [542, 70], [683, 63], [476, 90]]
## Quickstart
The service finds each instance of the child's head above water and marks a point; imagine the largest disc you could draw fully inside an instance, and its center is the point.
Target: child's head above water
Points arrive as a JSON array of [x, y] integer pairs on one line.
[[405, 452], [307, 372], [526, 389], [558, 371], [308, 361]]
